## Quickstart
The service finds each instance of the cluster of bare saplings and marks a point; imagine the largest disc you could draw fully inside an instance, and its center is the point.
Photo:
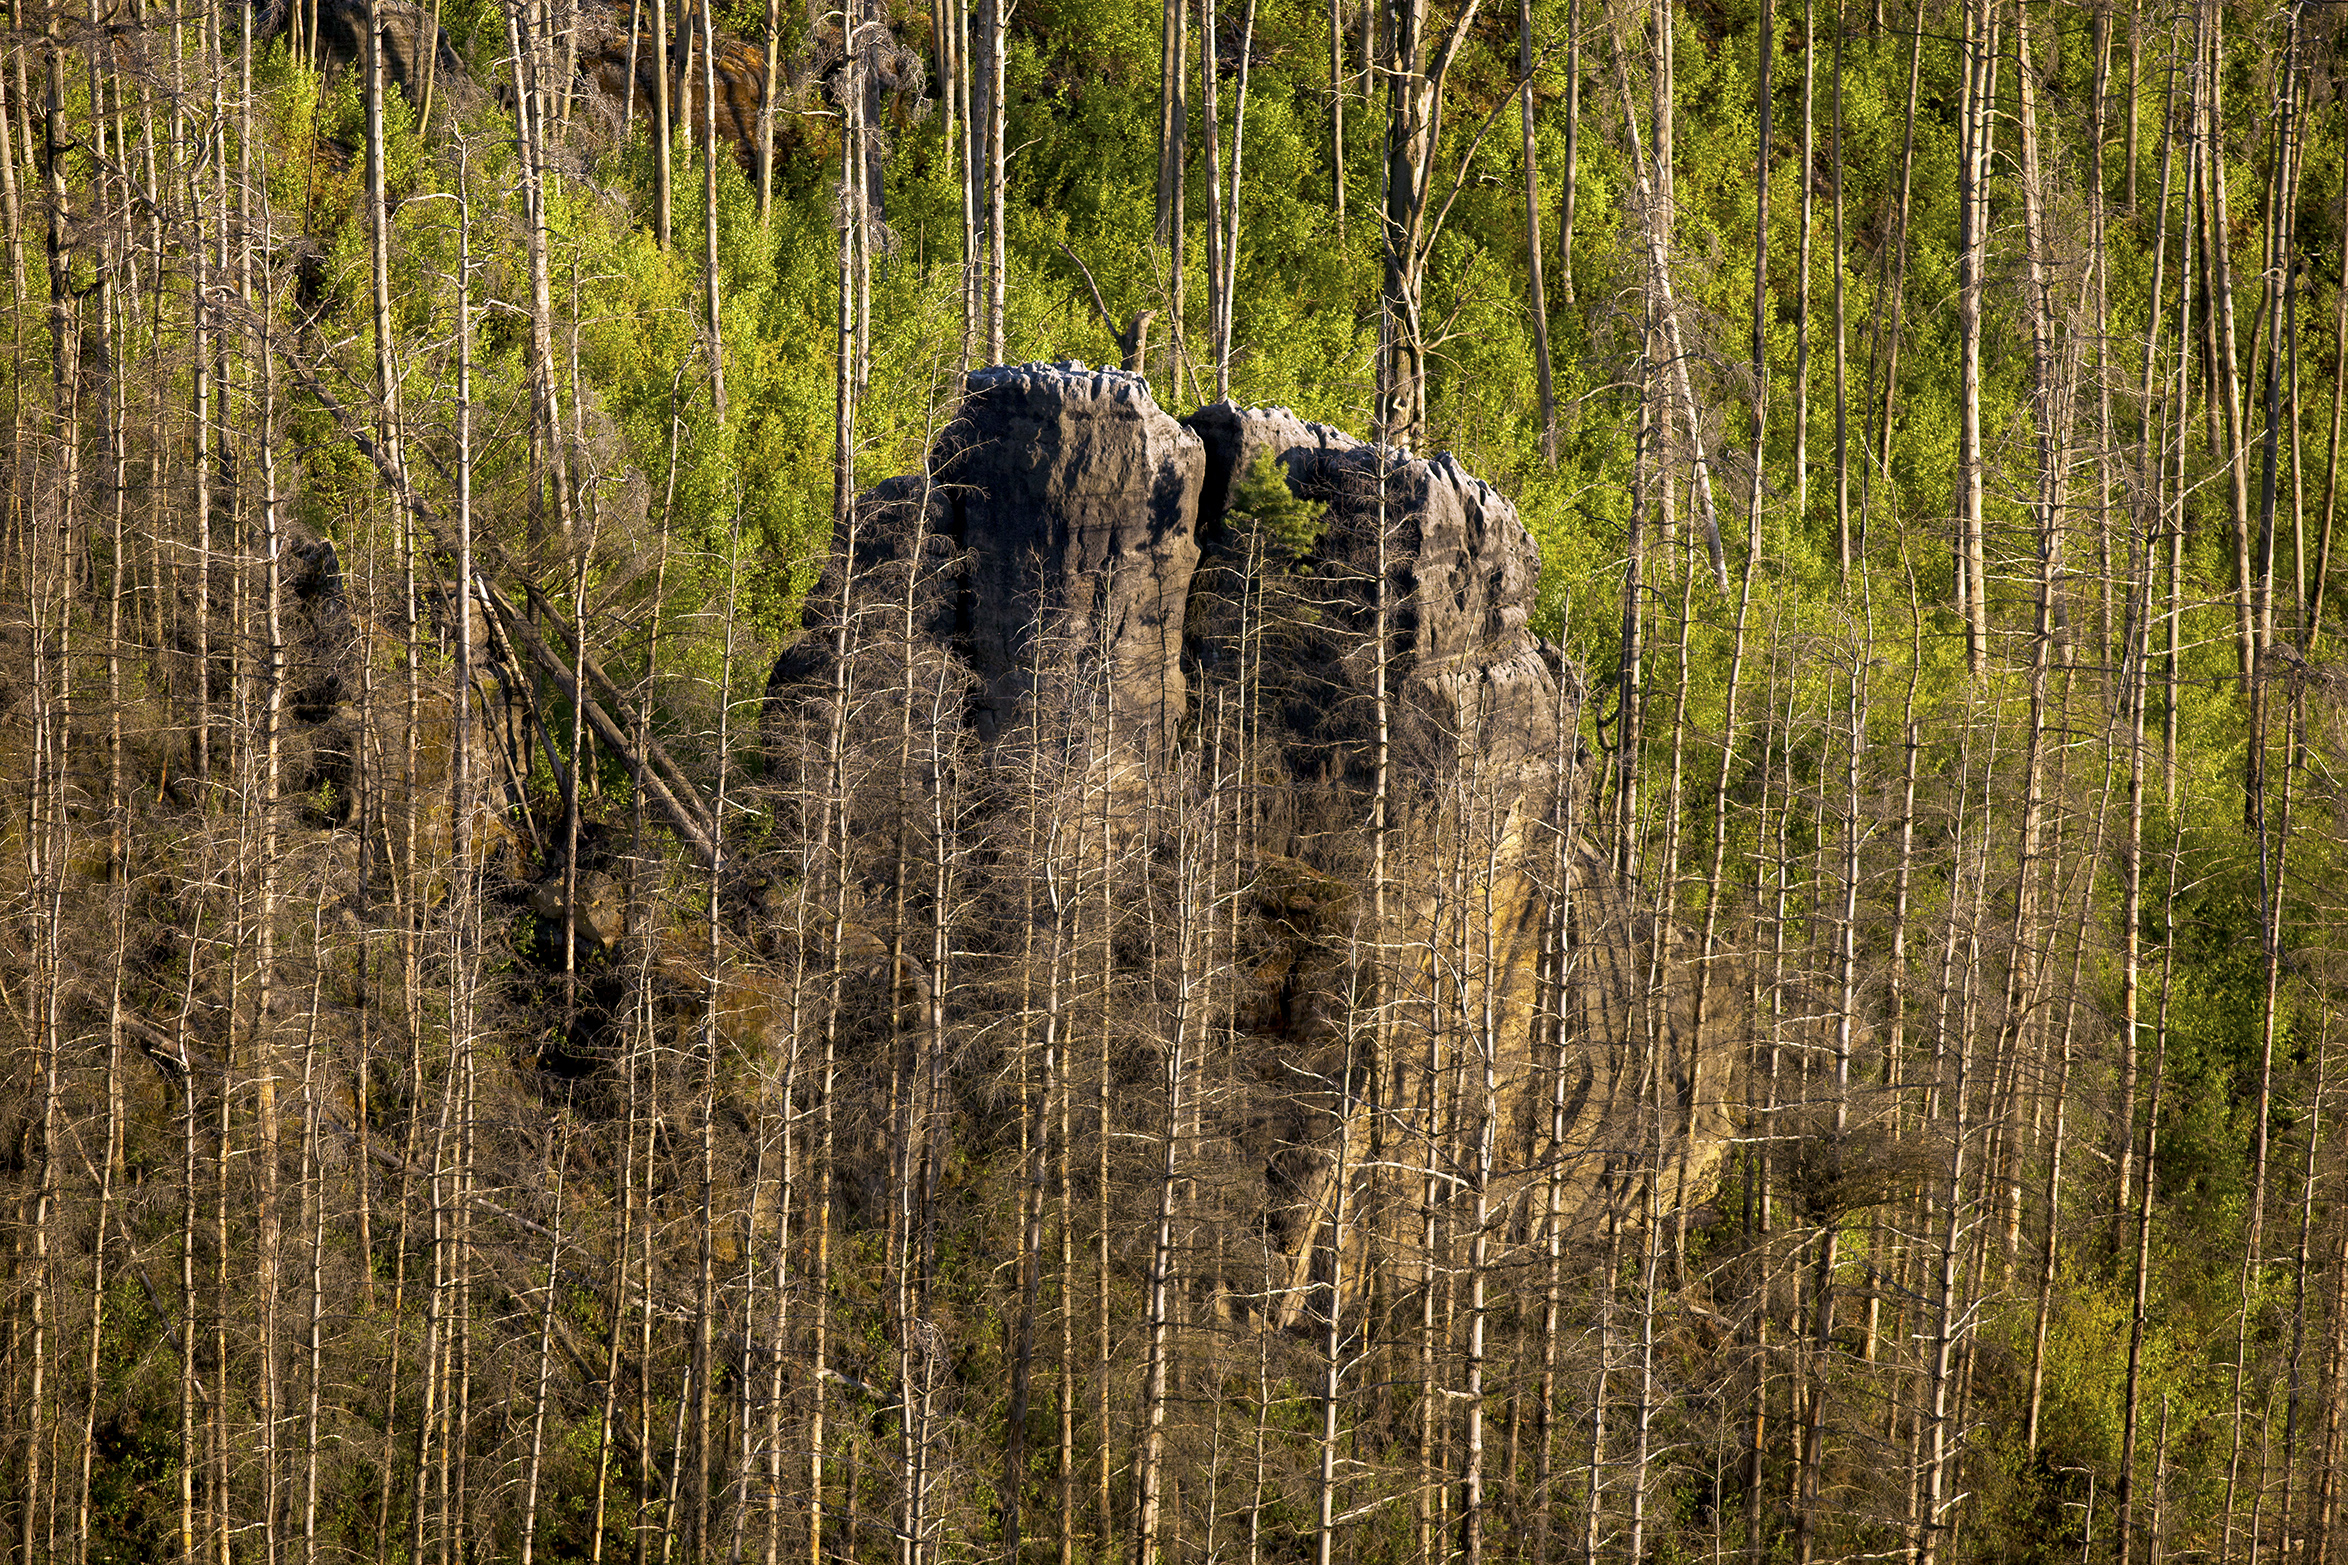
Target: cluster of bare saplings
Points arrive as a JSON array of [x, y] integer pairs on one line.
[[480, 1084]]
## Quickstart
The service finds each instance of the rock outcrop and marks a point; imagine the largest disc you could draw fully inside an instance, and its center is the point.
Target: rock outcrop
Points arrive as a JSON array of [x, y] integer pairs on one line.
[[1075, 502], [1073, 548], [1469, 681]]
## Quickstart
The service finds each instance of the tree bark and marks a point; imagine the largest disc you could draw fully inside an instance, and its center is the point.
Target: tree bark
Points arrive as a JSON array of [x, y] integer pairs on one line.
[[1536, 301], [1973, 162]]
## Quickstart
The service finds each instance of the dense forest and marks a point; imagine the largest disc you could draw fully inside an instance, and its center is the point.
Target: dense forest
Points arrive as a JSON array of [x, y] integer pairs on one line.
[[650, 914]]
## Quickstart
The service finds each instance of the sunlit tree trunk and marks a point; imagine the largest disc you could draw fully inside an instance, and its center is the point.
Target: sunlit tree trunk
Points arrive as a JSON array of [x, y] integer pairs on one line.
[[1764, 127], [1416, 80], [1150, 1476], [1977, 119], [1536, 301], [711, 278], [662, 55], [1566, 189], [1653, 192]]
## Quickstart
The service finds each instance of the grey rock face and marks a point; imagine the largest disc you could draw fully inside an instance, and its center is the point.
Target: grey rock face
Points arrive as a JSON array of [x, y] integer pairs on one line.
[[1068, 508], [1469, 681], [1074, 501], [1056, 528]]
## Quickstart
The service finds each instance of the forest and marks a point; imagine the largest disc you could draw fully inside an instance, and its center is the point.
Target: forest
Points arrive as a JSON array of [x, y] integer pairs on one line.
[[1628, 850]]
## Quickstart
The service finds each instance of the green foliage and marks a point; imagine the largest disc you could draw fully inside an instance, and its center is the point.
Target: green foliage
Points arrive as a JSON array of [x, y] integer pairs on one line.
[[1283, 524]]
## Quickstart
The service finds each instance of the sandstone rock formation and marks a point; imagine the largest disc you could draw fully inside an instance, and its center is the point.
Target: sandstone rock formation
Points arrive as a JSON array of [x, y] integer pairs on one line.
[[1075, 502], [1469, 680], [1068, 529]]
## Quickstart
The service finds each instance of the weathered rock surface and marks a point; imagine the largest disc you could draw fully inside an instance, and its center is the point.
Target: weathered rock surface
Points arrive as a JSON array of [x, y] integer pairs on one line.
[[1074, 501], [1469, 681], [1070, 535]]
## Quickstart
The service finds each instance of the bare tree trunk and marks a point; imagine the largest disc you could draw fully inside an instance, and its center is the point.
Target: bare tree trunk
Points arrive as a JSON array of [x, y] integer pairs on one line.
[[995, 21], [1325, 1523], [847, 363], [2190, 233], [1235, 228], [771, 80], [1657, 209], [2281, 322], [550, 489], [2301, 1256], [1948, 1282], [1481, 980], [1210, 130], [1559, 960], [2323, 548], [1410, 221], [1163, 1281], [1566, 191], [1845, 546], [969, 92], [2272, 857], [712, 281], [1888, 330], [2135, 691], [1764, 129], [1104, 1108], [1173, 136], [663, 57], [1337, 113], [538, 1397], [1973, 163], [1536, 302], [1630, 675], [1813, 1443], [1066, 1387], [1801, 457], [2132, 1399], [1043, 851], [2226, 380], [2325, 1522]]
